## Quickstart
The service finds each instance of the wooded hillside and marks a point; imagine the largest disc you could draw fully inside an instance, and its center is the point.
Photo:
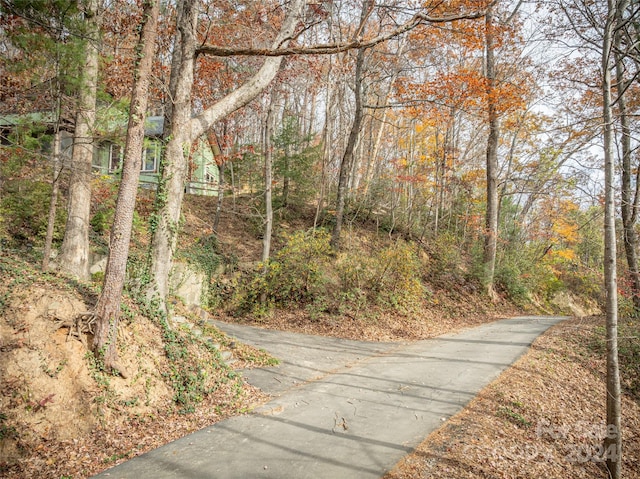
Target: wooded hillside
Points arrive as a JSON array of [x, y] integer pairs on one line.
[[372, 160]]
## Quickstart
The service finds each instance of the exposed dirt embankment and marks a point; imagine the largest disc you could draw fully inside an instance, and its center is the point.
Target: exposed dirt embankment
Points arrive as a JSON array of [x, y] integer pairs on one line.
[[62, 415]]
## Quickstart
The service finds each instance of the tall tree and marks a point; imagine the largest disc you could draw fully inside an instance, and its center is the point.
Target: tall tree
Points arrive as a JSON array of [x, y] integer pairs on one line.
[[184, 130], [346, 164], [53, 201], [491, 218], [44, 39], [629, 195], [74, 252], [347, 158], [268, 179], [107, 310], [613, 439]]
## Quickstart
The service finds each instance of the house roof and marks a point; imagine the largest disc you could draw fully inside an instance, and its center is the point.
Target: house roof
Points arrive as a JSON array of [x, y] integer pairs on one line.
[[153, 125], [15, 119]]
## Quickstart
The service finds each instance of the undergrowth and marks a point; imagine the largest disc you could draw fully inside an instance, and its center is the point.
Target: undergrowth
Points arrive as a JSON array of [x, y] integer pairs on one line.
[[195, 367], [306, 272], [293, 275]]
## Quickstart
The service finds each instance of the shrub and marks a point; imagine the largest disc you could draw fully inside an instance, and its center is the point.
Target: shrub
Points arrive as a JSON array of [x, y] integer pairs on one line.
[[25, 175], [391, 277], [396, 279], [508, 278], [446, 259], [295, 274], [24, 211]]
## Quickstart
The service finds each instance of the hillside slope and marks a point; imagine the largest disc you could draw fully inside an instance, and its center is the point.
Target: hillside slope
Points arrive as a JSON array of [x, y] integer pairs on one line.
[[61, 415]]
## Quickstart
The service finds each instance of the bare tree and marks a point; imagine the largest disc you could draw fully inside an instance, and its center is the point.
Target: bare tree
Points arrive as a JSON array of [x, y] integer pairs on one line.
[[346, 164], [268, 180], [493, 202], [629, 195], [348, 156], [53, 201]]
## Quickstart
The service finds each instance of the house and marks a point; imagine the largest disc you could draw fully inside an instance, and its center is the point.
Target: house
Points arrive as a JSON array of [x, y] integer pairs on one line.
[[203, 172], [109, 149]]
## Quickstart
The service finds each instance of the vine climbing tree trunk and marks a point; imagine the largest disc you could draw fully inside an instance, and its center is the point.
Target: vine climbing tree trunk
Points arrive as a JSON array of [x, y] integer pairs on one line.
[[174, 169], [185, 130], [107, 310]]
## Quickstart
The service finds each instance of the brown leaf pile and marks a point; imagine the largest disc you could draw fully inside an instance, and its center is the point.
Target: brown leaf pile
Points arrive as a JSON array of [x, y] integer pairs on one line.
[[112, 444]]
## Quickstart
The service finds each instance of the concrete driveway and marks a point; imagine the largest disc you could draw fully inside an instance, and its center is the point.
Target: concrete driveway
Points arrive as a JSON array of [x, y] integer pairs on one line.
[[343, 409]]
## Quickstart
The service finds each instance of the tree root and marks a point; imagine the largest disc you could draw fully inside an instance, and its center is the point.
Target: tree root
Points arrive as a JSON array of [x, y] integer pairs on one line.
[[117, 368], [81, 325]]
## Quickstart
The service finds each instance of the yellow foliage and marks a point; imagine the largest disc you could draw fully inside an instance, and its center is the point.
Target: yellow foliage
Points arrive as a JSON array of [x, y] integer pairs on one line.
[[565, 254], [567, 231]]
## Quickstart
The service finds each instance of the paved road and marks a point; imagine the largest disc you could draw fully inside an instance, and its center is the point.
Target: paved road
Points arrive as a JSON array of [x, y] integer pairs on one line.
[[343, 409]]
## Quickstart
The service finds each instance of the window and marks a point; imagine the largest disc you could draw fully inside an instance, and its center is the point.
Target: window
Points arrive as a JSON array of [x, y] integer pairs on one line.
[[150, 156], [209, 175], [115, 157]]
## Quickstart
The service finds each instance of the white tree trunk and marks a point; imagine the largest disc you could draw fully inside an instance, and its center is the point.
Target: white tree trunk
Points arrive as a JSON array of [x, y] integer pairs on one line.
[[53, 202], [255, 85], [268, 186]]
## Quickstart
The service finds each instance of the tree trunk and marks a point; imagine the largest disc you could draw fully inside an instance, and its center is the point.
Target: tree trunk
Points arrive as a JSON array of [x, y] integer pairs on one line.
[[347, 158], [286, 181], [268, 183], [107, 310], [613, 440], [217, 155], [629, 200], [327, 147], [74, 252], [491, 219], [175, 162], [53, 202], [184, 130]]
